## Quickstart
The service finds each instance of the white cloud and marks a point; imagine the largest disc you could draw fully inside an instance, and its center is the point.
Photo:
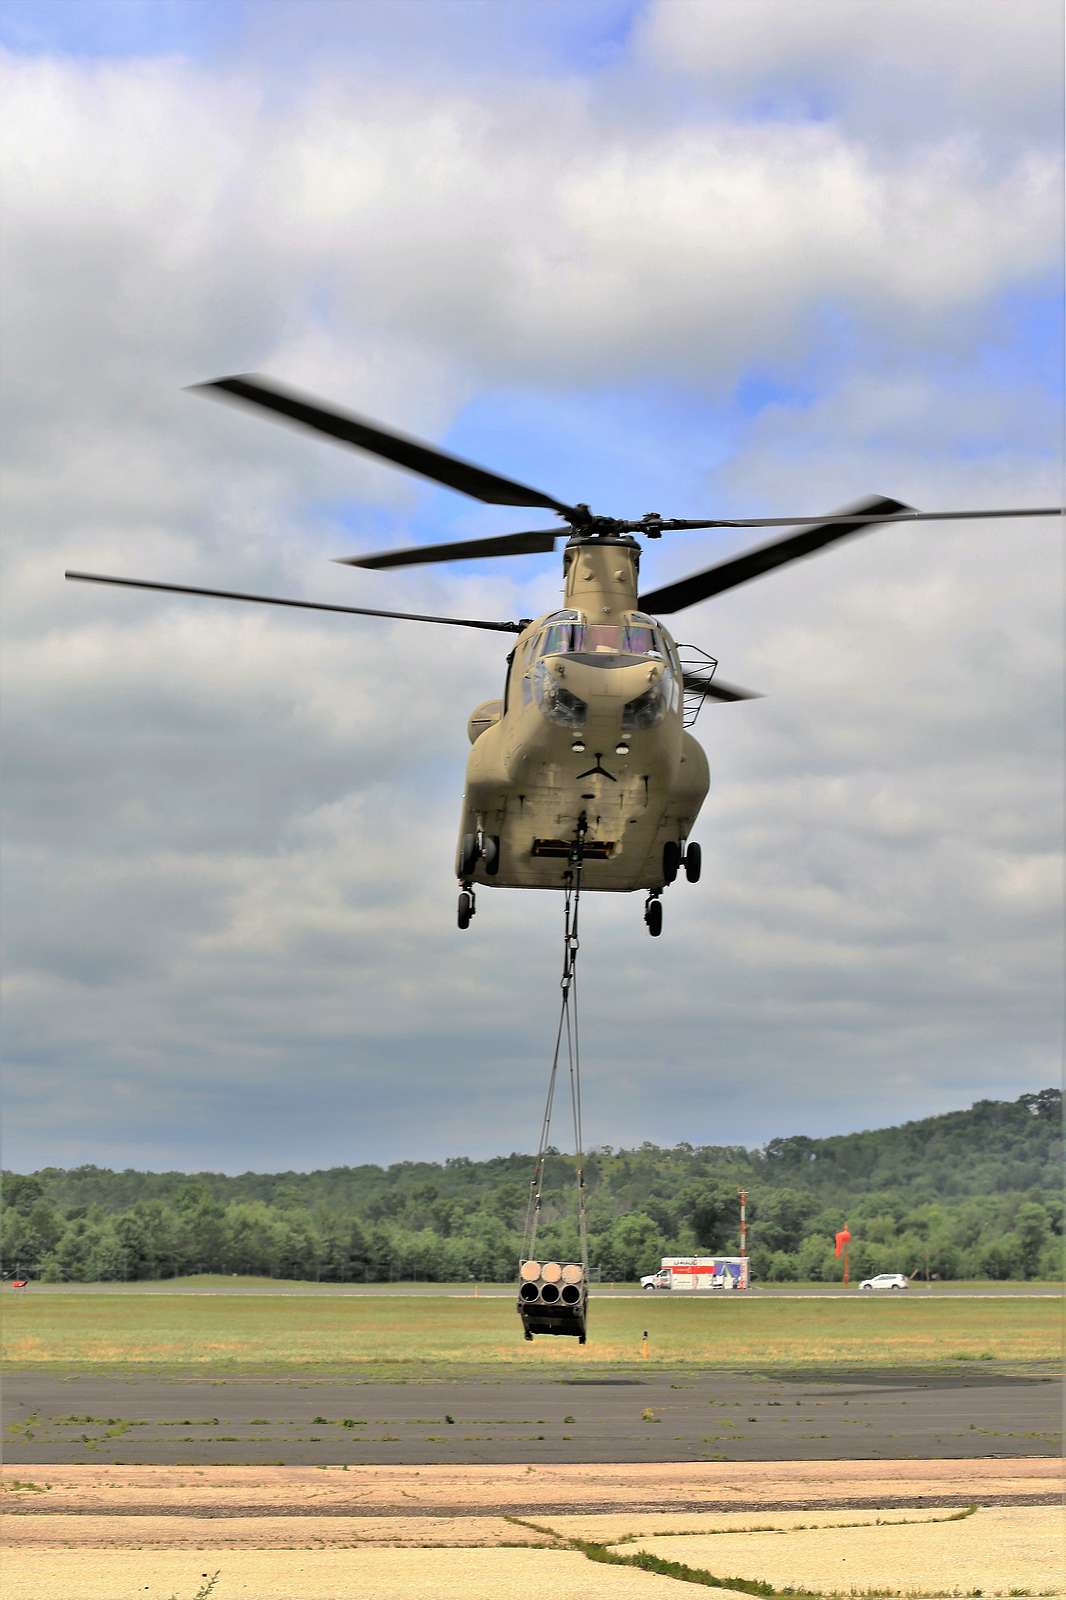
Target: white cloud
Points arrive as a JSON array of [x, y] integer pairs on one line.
[[894, 70], [164, 224]]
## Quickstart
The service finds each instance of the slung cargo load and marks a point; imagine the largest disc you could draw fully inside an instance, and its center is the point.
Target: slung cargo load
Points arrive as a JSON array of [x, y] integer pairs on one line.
[[553, 1298], [690, 1273]]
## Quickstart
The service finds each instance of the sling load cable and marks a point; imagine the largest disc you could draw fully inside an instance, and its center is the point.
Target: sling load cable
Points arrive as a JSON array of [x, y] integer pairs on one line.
[[567, 1024], [543, 1306]]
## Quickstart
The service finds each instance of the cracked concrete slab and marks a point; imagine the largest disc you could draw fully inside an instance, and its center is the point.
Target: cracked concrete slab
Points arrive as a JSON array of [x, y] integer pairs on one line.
[[153, 1533], [329, 1575], [997, 1551]]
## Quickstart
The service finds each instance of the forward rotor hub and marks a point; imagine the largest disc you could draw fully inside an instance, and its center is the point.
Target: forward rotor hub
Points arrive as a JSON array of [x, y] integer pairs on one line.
[[584, 524], [587, 526]]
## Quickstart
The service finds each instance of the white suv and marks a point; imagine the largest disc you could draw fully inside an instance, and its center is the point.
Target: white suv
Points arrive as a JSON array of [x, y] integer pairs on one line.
[[885, 1280]]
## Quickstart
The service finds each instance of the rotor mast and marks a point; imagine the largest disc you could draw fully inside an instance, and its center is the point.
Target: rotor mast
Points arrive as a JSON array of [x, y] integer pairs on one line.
[[600, 575]]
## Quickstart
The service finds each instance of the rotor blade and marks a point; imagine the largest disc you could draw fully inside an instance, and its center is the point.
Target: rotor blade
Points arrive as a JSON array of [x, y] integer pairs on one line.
[[301, 605], [541, 540], [408, 453], [718, 689], [764, 558], [676, 525]]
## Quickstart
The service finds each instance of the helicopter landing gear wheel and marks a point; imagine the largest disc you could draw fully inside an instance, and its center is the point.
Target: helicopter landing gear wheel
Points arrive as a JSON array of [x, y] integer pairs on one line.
[[468, 855], [466, 908], [671, 860], [490, 854], [653, 916], [693, 861]]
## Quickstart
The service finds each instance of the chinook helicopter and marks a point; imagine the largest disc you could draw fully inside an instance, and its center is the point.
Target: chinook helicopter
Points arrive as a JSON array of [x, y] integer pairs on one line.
[[590, 738]]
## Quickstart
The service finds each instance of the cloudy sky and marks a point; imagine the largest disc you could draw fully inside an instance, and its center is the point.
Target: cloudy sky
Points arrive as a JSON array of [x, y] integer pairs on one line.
[[705, 257]]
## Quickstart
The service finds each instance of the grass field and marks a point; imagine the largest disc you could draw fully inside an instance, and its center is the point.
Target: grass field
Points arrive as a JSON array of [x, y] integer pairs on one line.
[[398, 1336], [214, 1283]]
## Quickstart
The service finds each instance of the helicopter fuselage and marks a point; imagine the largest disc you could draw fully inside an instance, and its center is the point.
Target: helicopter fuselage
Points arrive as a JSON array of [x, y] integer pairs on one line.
[[590, 725]]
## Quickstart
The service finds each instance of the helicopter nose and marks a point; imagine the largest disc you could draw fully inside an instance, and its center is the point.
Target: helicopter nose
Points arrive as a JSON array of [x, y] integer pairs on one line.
[[607, 682]]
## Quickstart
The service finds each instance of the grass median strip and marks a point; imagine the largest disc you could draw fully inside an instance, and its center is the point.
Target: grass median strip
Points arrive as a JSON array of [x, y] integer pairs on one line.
[[374, 1338]]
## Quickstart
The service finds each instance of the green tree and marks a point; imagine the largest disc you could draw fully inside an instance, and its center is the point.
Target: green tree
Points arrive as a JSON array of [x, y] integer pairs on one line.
[[250, 1242], [17, 1249], [203, 1228], [1052, 1261], [815, 1260], [69, 1261], [633, 1246], [135, 1241], [997, 1258], [1032, 1226], [108, 1259], [21, 1193], [714, 1213], [295, 1255], [779, 1266]]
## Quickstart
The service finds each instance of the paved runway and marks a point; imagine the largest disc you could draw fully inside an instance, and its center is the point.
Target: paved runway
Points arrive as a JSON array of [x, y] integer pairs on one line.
[[307, 1418]]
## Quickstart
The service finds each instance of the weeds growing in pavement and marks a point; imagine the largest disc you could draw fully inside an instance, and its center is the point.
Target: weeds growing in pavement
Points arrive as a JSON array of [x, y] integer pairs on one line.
[[206, 1588], [683, 1573]]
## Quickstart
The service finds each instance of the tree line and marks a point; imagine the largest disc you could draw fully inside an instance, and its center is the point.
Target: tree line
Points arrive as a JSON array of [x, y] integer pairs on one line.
[[973, 1194]]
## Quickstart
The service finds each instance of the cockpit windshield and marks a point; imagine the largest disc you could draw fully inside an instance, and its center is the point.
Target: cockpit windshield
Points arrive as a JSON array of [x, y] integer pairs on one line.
[[567, 633]]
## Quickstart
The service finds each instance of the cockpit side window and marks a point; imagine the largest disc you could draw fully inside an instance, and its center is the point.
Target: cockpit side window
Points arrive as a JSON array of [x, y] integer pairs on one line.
[[641, 641], [558, 639], [642, 635], [640, 626]]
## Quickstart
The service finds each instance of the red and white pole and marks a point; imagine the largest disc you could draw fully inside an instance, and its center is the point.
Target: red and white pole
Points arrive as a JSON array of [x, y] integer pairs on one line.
[[742, 1196]]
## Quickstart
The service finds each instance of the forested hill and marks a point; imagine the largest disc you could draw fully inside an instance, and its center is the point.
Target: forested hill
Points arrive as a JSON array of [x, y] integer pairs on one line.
[[994, 1147], [973, 1193]]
